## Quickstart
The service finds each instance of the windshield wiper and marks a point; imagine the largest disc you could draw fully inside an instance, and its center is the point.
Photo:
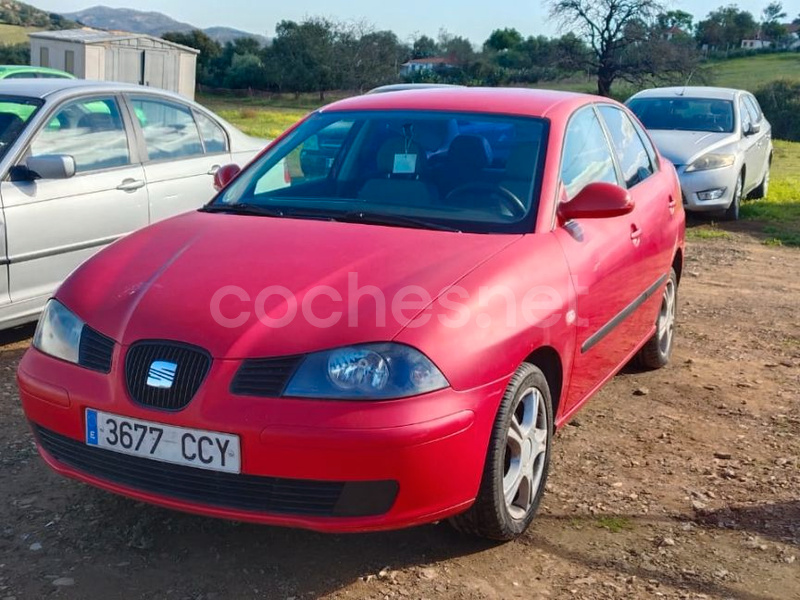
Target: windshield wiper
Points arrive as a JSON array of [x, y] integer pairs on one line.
[[242, 208], [361, 216]]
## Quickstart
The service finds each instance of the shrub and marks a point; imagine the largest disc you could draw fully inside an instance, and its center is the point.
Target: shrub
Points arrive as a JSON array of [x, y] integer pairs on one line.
[[780, 101]]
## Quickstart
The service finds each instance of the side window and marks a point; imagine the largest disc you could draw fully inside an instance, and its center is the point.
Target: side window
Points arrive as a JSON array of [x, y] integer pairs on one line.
[[586, 156], [755, 109], [744, 116], [22, 75], [170, 131], [91, 131], [214, 137], [648, 145], [633, 158]]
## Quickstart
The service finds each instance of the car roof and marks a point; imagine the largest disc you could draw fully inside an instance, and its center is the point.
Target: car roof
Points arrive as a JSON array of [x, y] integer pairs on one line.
[[8, 69], [506, 101], [44, 88], [712, 93]]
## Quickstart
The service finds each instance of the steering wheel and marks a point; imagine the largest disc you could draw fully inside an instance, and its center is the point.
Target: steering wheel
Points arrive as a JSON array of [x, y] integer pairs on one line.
[[508, 198]]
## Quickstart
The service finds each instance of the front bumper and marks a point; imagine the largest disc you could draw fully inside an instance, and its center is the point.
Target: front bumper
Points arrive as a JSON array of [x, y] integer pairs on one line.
[[697, 182], [398, 463]]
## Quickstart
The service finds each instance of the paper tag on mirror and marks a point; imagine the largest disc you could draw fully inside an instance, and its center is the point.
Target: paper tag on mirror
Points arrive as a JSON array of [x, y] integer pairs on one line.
[[405, 164]]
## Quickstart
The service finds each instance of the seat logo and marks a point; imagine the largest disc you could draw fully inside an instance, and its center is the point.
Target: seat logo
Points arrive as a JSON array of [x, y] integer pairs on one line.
[[161, 374]]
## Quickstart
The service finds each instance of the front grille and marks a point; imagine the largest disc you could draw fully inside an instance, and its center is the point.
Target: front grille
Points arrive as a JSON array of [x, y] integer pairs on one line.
[[95, 350], [225, 490], [264, 376], [192, 367]]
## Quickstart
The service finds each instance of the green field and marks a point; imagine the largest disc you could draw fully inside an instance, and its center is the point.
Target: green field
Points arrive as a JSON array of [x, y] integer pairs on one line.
[[755, 71], [14, 34]]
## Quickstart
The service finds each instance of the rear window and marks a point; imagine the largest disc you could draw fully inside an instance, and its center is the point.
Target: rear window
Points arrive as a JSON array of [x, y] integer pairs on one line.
[[473, 172], [684, 114]]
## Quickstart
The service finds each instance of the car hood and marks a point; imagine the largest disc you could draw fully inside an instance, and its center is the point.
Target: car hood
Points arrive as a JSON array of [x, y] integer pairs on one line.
[[163, 281], [683, 147]]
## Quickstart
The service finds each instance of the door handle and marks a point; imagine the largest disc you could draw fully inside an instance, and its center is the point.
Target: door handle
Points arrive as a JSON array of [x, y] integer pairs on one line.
[[672, 204], [636, 234], [130, 185], [213, 170]]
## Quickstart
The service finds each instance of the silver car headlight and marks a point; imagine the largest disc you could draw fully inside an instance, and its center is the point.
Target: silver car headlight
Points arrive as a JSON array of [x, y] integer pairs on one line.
[[366, 372], [711, 161], [59, 332]]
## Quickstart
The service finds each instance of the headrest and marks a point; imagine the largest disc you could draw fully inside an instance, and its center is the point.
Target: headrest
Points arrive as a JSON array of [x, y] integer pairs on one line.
[[10, 124], [97, 122], [522, 161], [470, 152], [393, 147]]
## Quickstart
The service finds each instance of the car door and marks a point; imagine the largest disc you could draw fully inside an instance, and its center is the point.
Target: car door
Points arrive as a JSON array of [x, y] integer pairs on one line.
[[180, 162], [654, 207], [763, 137], [602, 255], [54, 225], [749, 147]]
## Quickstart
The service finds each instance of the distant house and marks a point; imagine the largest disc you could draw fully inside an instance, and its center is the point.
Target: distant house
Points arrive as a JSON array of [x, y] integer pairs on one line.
[[756, 44], [117, 56], [673, 32], [418, 65]]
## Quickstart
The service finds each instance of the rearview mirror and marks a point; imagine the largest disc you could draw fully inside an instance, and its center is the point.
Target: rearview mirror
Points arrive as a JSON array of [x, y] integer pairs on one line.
[[597, 201], [754, 129], [51, 166], [225, 175]]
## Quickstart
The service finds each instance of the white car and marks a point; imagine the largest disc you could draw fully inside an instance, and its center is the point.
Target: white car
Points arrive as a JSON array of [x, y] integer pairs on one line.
[[718, 139], [83, 163]]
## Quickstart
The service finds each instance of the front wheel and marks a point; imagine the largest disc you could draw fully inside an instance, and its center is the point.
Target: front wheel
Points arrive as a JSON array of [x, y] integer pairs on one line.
[[732, 213], [658, 349], [517, 461]]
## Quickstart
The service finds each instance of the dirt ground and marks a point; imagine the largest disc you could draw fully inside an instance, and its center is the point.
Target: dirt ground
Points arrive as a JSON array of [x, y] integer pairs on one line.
[[683, 483]]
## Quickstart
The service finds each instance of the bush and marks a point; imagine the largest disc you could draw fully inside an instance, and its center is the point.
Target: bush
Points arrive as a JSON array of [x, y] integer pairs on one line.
[[780, 101]]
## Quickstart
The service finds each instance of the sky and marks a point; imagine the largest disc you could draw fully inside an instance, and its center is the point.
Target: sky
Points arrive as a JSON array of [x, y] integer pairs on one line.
[[474, 19]]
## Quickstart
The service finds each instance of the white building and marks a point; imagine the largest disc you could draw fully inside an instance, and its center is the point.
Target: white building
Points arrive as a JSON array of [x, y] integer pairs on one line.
[[117, 56]]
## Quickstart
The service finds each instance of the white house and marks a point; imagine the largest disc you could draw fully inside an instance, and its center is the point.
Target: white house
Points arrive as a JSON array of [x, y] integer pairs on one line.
[[418, 65], [117, 56]]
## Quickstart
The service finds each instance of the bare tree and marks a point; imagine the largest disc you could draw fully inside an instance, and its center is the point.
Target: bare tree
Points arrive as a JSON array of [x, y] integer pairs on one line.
[[609, 26]]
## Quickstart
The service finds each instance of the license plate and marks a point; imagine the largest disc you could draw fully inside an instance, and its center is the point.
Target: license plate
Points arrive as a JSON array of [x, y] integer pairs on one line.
[[157, 441]]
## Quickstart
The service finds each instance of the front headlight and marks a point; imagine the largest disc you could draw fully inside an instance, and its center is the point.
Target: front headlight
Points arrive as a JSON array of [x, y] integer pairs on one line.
[[711, 161], [366, 372], [59, 332]]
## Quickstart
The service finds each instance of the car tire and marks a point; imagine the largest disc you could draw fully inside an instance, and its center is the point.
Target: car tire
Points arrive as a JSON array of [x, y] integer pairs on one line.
[[732, 213], [658, 349], [517, 461], [763, 188]]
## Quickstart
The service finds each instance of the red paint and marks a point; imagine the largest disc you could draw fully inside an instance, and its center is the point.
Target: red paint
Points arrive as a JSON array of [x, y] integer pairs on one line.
[[159, 284]]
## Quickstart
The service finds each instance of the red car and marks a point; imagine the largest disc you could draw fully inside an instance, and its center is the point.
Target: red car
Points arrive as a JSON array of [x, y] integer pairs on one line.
[[380, 322]]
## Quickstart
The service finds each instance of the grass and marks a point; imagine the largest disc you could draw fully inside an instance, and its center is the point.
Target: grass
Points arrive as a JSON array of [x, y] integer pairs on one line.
[[614, 524], [780, 211], [753, 72], [14, 34], [707, 232]]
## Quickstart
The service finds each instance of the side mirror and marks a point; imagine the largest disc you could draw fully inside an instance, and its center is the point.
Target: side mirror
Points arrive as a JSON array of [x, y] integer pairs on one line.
[[225, 175], [754, 129], [597, 201], [50, 166]]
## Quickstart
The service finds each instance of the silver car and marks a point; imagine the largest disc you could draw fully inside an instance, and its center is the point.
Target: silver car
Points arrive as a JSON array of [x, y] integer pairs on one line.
[[83, 163], [718, 139]]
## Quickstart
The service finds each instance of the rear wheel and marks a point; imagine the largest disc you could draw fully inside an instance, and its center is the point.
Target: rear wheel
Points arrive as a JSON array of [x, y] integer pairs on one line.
[[517, 461], [658, 349], [763, 189]]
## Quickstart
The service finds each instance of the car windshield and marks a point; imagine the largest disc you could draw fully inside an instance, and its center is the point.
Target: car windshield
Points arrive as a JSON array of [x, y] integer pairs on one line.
[[15, 112], [438, 170], [684, 114]]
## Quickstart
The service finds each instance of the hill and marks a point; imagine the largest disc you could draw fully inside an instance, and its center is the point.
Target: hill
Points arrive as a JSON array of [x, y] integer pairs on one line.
[[15, 34], [151, 22], [25, 15]]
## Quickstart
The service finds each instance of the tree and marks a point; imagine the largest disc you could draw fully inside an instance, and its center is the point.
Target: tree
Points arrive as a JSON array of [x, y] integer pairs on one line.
[[306, 55], [771, 27], [501, 40], [457, 49], [675, 19], [209, 51], [424, 47], [726, 27], [605, 24]]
